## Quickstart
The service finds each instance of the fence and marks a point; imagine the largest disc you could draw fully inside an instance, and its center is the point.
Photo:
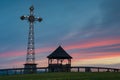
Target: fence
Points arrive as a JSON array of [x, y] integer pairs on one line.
[[13, 71]]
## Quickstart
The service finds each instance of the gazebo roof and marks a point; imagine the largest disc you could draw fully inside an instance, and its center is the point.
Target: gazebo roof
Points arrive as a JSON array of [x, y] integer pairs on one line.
[[59, 53]]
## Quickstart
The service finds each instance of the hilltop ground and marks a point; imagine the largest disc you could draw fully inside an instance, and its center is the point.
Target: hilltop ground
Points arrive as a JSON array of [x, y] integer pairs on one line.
[[64, 76]]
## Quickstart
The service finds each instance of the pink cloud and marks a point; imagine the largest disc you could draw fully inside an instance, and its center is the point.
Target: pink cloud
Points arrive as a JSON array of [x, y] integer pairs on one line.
[[85, 55], [76, 56], [22, 53], [93, 43]]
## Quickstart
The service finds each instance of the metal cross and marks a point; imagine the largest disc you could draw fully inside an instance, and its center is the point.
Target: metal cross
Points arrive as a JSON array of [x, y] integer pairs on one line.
[[30, 59]]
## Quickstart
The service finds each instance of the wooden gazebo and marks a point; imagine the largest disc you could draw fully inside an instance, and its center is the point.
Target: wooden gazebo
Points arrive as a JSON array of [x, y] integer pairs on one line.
[[59, 61]]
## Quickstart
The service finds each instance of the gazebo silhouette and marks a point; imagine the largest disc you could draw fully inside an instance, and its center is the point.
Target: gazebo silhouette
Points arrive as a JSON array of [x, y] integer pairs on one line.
[[59, 61]]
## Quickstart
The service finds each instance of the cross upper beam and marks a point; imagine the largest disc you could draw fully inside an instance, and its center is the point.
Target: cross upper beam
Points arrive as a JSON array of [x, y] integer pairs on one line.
[[31, 18]]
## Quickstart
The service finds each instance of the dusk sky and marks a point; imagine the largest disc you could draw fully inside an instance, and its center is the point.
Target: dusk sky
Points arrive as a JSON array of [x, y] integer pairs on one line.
[[89, 30]]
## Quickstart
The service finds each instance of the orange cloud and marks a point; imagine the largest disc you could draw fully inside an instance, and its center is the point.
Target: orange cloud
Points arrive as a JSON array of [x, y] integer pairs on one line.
[[99, 55]]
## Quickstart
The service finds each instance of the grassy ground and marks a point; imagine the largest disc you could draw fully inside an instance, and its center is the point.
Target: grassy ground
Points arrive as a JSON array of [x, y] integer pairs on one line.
[[64, 76]]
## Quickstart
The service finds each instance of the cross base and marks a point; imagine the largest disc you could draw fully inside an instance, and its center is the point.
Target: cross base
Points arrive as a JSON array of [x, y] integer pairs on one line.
[[30, 68]]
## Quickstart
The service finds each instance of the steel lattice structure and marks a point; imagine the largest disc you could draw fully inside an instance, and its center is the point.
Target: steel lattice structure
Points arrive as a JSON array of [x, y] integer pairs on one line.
[[30, 58]]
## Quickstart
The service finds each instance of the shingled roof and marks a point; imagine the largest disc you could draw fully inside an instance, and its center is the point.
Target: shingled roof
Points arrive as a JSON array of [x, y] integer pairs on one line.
[[59, 53]]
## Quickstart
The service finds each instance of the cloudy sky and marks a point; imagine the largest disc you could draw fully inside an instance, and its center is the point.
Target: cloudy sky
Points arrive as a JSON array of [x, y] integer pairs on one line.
[[89, 30]]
